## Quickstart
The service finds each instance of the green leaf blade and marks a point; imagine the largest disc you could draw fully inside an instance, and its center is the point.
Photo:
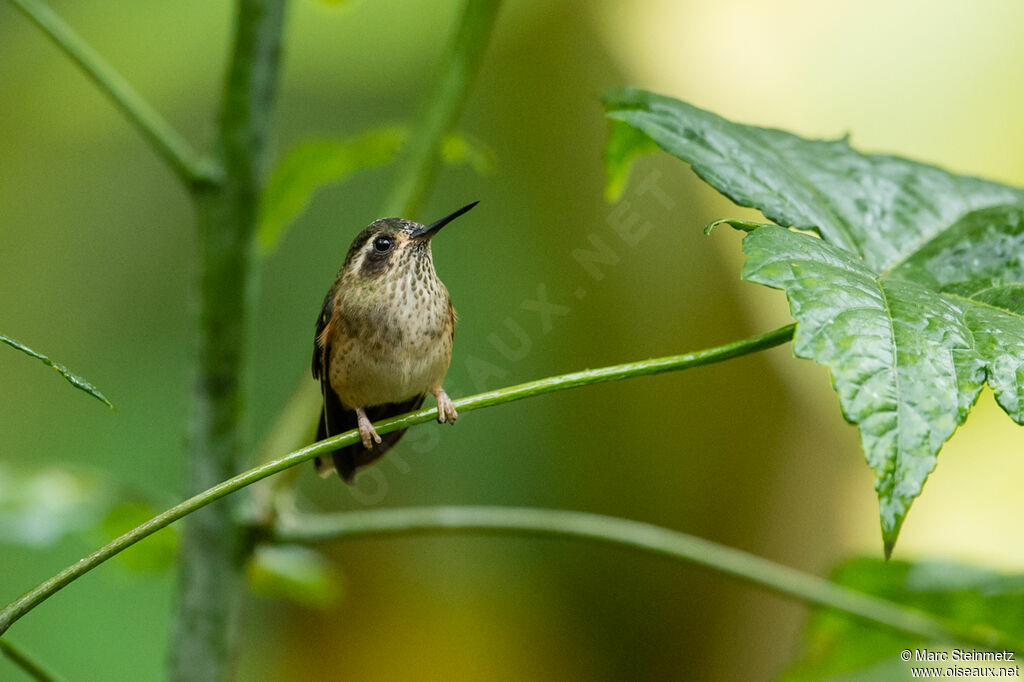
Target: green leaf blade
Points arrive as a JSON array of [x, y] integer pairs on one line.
[[295, 573], [73, 379], [460, 149], [979, 262], [625, 144], [878, 206], [887, 346], [312, 165], [156, 553], [913, 296], [315, 164], [838, 646], [1000, 339]]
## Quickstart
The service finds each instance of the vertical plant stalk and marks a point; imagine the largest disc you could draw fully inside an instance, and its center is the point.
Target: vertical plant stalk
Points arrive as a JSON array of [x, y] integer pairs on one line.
[[215, 543], [418, 165]]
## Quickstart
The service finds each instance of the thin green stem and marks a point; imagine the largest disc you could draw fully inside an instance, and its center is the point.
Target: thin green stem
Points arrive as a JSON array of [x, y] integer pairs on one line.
[[418, 165], [309, 528], [23, 661], [168, 144], [18, 608]]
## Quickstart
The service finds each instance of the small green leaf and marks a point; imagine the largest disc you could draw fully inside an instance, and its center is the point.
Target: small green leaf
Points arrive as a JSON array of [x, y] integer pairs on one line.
[[741, 225], [75, 380], [837, 645], [41, 507], [913, 296], [312, 165], [155, 553], [315, 164], [294, 573], [458, 149], [625, 144]]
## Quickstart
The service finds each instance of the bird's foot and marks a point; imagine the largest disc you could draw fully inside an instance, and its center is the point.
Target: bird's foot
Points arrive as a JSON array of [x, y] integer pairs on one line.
[[366, 430], [445, 408]]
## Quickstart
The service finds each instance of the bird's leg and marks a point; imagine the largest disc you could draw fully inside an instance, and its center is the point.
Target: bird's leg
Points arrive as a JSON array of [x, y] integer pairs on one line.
[[366, 430], [445, 407]]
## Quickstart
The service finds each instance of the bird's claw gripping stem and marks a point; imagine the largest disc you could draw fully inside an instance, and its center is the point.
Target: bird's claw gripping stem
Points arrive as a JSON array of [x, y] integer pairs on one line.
[[366, 431], [445, 408]]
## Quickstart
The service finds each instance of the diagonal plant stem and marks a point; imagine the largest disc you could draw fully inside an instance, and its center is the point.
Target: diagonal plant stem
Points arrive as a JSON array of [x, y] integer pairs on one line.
[[23, 661], [311, 528], [186, 163], [28, 601], [419, 162]]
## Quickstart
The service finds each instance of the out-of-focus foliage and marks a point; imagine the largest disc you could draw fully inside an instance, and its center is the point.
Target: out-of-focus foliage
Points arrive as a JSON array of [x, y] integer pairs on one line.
[[155, 553], [625, 144], [295, 573], [40, 506], [315, 164], [837, 646], [459, 149], [311, 165], [913, 295]]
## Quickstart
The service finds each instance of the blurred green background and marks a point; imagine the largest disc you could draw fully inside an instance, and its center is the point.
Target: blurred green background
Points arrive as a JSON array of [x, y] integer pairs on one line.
[[96, 241]]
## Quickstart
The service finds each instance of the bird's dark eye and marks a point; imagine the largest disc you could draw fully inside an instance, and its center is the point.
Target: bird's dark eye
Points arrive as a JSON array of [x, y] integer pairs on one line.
[[382, 244]]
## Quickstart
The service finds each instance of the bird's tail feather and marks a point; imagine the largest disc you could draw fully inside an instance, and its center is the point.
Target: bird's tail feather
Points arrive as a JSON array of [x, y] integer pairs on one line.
[[336, 418]]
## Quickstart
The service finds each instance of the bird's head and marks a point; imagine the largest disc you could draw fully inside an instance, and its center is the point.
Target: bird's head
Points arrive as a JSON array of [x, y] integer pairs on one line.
[[391, 247]]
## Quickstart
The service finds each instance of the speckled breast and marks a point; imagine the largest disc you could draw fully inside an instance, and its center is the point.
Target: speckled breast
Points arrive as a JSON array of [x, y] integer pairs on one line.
[[398, 341]]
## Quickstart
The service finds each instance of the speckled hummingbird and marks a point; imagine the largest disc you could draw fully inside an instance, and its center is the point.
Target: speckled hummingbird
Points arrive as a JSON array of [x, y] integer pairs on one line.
[[383, 339]]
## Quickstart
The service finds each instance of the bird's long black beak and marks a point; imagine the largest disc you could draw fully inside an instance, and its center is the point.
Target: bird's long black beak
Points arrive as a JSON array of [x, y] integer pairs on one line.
[[428, 231]]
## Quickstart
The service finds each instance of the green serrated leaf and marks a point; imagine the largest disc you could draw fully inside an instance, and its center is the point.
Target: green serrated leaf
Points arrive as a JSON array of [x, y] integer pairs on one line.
[[877, 206], [294, 573], [901, 355], [741, 225], [75, 380], [838, 646], [912, 296]]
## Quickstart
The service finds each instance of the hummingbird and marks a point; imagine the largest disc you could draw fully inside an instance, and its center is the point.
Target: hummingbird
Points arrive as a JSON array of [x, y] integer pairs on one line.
[[383, 339]]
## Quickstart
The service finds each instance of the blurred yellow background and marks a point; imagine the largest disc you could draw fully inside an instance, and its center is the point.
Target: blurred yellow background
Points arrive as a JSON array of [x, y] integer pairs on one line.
[[96, 240]]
